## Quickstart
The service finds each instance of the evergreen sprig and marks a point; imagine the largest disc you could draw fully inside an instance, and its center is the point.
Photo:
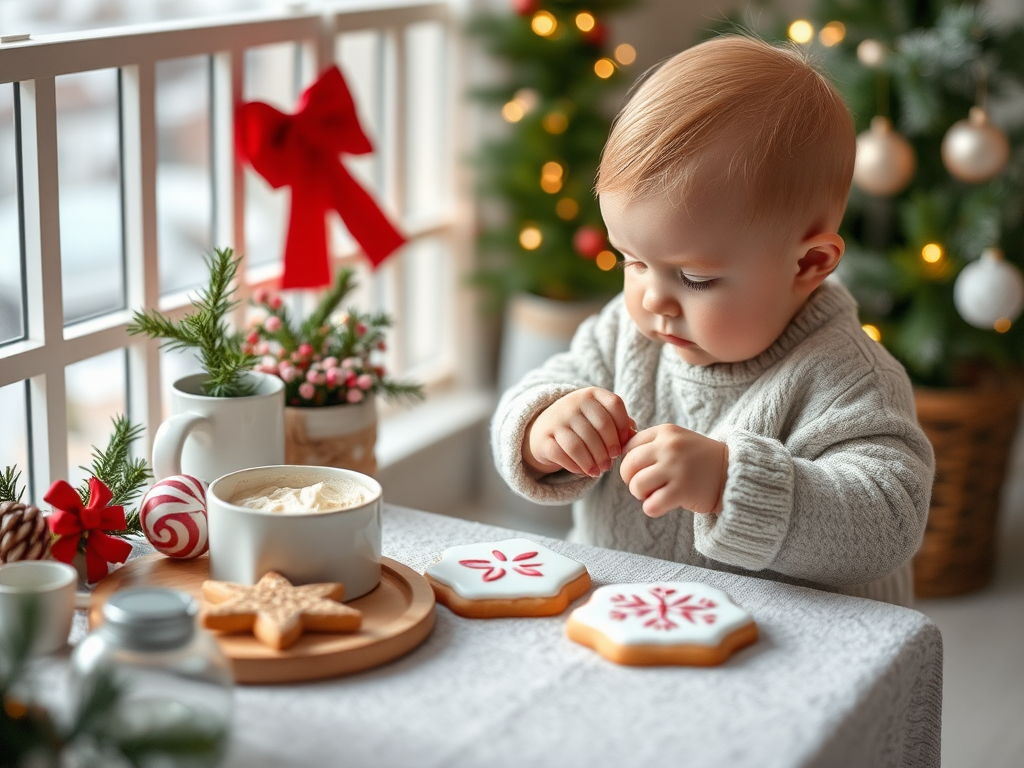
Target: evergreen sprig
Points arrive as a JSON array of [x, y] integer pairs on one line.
[[206, 330], [124, 475], [9, 490]]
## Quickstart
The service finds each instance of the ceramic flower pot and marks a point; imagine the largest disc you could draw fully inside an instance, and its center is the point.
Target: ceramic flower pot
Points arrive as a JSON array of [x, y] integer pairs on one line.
[[333, 436]]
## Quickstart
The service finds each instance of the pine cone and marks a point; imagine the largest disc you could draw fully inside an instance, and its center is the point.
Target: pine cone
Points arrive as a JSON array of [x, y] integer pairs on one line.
[[24, 534]]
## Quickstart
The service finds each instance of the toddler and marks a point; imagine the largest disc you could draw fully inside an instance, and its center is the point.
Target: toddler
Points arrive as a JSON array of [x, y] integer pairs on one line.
[[726, 410]]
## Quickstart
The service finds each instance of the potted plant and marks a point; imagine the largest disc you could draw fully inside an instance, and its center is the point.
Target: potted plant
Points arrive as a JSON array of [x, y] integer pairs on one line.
[[332, 368]]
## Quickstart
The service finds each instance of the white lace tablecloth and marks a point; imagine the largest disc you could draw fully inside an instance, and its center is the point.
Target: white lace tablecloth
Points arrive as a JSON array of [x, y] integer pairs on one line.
[[833, 681]]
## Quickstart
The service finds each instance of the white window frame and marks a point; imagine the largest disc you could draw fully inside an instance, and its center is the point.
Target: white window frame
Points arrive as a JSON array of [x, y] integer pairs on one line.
[[48, 347]]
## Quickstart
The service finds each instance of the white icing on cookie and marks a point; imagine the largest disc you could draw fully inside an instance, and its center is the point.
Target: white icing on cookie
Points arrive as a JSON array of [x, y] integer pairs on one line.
[[662, 613], [505, 570]]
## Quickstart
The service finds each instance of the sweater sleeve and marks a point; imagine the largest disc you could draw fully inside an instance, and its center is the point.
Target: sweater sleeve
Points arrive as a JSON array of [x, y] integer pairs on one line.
[[843, 501], [590, 362]]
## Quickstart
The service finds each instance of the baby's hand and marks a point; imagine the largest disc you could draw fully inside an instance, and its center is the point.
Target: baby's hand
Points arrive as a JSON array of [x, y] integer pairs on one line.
[[581, 432], [667, 467]]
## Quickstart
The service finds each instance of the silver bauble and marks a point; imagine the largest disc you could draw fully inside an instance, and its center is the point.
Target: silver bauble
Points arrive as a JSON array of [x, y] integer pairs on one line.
[[885, 160], [974, 150], [988, 290]]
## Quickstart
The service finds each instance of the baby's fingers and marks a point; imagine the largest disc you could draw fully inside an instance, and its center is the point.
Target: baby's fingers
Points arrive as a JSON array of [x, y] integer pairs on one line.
[[580, 442], [622, 426]]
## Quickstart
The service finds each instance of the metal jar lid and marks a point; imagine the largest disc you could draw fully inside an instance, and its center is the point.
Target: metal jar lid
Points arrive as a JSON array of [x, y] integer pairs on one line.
[[150, 618]]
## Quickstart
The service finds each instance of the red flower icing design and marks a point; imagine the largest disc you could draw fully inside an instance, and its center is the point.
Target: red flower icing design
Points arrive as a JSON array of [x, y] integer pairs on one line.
[[658, 613], [495, 570]]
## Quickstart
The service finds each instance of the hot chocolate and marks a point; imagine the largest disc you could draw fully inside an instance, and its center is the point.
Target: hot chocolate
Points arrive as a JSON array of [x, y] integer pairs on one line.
[[325, 496]]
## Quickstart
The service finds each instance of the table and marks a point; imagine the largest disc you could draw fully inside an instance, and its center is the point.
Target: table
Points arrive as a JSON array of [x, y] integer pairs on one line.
[[832, 681]]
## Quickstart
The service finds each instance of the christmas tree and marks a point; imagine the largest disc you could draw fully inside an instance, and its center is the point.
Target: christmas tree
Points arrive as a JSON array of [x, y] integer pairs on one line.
[[546, 236], [937, 185]]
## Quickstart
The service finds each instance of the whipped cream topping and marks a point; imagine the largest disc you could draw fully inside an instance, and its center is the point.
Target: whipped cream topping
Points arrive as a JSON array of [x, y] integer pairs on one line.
[[340, 493]]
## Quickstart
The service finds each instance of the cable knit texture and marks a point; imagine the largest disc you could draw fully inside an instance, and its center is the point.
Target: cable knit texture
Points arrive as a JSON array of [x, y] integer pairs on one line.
[[829, 475]]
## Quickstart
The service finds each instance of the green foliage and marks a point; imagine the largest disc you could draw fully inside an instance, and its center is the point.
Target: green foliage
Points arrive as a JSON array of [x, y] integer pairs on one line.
[[94, 733], [206, 330], [9, 490], [939, 51], [558, 73], [124, 475]]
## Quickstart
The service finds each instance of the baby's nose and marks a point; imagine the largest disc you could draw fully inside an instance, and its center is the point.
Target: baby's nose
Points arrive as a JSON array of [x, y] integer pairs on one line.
[[660, 301]]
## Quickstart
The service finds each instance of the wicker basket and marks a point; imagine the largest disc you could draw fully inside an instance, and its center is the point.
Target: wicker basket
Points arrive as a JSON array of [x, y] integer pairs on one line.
[[972, 431]]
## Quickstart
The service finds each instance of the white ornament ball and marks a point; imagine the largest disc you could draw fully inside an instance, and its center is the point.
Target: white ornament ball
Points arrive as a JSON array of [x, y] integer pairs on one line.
[[974, 150], [885, 161], [988, 290], [173, 516]]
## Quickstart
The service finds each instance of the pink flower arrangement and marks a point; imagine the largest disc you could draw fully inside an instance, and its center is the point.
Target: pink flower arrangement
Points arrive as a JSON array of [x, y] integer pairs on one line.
[[330, 358]]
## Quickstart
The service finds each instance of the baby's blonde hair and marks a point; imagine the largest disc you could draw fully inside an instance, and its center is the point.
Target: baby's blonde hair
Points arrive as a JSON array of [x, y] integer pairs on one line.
[[734, 110]]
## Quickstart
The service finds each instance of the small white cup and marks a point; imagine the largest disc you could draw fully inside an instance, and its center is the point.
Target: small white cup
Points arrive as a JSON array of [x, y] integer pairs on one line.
[[53, 586], [314, 547], [207, 437]]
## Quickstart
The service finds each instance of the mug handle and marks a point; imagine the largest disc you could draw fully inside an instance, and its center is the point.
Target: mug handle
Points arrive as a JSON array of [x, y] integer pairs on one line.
[[170, 441]]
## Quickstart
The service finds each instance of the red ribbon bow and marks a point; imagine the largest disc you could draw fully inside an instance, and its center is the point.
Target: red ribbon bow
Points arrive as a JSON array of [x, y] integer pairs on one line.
[[71, 519], [301, 151]]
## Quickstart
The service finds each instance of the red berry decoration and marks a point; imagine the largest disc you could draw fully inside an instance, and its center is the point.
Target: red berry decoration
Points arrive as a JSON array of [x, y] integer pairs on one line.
[[173, 516], [525, 7], [597, 34], [588, 241]]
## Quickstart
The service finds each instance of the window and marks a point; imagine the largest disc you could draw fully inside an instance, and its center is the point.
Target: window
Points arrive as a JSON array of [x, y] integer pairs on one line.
[[118, 172]]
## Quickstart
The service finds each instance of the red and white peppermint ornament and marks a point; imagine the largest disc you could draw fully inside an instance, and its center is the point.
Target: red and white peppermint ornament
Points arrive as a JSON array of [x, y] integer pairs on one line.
[[173, 516]]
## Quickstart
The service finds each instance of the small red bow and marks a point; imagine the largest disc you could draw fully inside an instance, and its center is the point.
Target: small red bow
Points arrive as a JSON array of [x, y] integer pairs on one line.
[[301, 151], [71, 519]]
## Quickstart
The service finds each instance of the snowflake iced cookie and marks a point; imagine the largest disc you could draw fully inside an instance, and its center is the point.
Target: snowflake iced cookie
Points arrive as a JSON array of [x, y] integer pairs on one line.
[[669, 622], [515, 577]]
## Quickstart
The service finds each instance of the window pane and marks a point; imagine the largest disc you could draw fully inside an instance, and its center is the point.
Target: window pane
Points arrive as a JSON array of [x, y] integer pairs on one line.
[[425, 321], [271, 76], [96, 390], [11, 310], [89, 168], [427, 145], [183, 192], [360, 58], [14, 445]]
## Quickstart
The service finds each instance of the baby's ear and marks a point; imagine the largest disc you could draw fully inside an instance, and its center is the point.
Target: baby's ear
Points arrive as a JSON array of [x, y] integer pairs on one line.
[[820, 255]]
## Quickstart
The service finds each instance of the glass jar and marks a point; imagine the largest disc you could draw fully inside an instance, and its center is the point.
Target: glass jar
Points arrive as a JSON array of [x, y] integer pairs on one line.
[[174, 706]]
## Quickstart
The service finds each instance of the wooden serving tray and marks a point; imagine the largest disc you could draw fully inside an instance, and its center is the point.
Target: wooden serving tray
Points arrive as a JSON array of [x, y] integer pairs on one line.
[[397, 616]]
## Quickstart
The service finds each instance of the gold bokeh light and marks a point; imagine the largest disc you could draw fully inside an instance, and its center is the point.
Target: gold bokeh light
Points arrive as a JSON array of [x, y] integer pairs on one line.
[[543, 23], [604, 68], [567, 209], [801, 31], [832, 33], [585, 21], [606, 260], [555, 122], [625, 54], [872, 331], [513, 111], [530, 238], [932, 253], [1002, 325]]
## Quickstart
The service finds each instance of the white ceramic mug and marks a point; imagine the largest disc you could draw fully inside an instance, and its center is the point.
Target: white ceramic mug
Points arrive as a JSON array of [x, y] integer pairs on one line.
[[207, 437], [53, 586], [306, 548]]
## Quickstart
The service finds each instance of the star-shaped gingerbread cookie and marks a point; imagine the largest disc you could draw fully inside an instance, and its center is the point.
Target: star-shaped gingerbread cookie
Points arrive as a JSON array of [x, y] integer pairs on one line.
[[276, 611]]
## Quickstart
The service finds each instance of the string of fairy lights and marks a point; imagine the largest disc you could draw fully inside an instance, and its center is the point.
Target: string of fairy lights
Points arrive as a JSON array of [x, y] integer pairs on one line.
[[989, 292], [590, 242]]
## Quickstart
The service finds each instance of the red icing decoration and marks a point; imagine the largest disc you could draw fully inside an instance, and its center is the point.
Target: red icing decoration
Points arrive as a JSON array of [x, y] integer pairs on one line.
[[71, 520], [301, 151], [658, 613], [495, 572]]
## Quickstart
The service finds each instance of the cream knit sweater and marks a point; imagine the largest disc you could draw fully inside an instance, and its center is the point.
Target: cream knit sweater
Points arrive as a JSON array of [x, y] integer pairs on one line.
[[829, 474]]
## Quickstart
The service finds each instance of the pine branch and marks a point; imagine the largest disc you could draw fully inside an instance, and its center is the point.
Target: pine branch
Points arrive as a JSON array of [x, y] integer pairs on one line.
[[397, 391], [9, 485], [343, 285], [206, 330], [122, 474]]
